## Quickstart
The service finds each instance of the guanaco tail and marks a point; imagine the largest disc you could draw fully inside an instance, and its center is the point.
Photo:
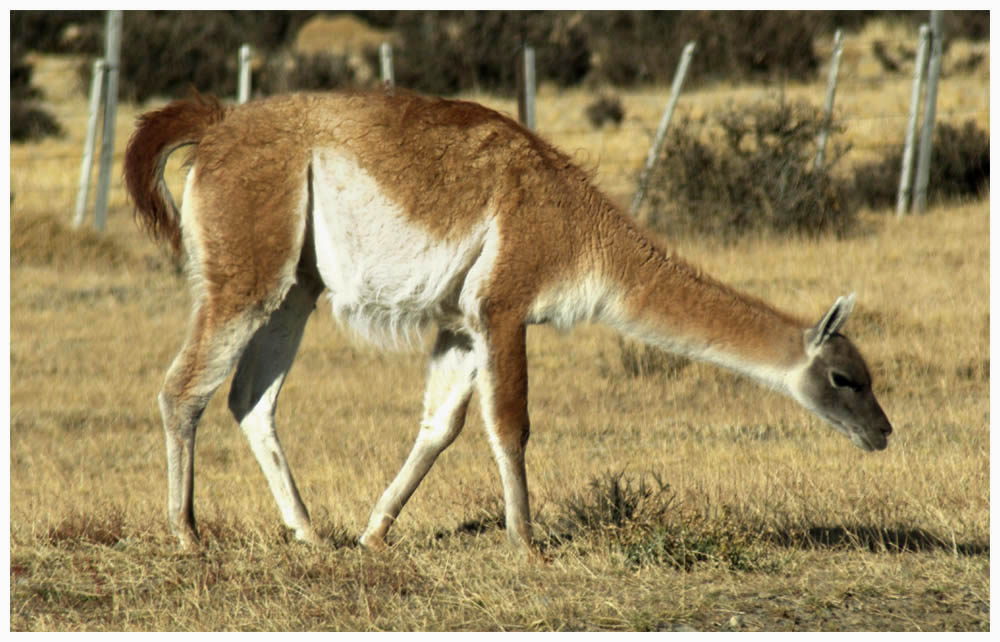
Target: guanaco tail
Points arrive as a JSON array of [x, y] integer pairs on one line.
[[412, 211]]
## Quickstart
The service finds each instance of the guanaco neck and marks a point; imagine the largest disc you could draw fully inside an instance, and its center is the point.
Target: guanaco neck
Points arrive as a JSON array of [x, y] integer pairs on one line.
[[666, 302]]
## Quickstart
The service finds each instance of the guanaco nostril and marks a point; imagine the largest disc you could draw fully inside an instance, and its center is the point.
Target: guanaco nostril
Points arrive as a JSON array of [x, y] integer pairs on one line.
[[887, 429]]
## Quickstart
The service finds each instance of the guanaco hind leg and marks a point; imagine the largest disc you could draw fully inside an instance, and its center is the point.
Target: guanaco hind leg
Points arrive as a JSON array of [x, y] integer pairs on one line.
[[450, 382], [254, 396], [208, 356]]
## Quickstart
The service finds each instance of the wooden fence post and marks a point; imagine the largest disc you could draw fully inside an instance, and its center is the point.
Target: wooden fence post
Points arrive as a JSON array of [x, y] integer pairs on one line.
[[112, 63], [243, 84], [86, 165], [831, 92], [906, 172], [526, 89], [385, 59], [930, 107], [661, 132]]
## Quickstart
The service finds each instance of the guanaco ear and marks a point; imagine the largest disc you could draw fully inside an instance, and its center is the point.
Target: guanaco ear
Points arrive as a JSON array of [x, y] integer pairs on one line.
[[832, 322]]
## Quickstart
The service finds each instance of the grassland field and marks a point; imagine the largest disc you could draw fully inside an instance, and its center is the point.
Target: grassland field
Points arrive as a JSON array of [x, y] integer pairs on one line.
[[736, 510]]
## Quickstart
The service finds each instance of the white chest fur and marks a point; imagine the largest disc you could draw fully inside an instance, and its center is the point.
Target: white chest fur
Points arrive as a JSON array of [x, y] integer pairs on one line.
[[388, 276]]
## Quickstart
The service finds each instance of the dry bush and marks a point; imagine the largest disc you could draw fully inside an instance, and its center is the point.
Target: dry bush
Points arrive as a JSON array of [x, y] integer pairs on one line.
[[641, 520], [168, 52], [752, 172], [761, 45], [304, 72], [613, 500], [28, 121], [87, 527], [42, 240], [58, 31], [959, 169], [605, 109], [447, 52]]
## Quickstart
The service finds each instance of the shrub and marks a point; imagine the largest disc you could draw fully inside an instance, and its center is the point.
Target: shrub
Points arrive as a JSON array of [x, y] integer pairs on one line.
[[30, 123], [683, 546], [165, 53], [20, 75], [301, 72], [27, 121], [605, 109], [614, 501], [446, 52], [640, 519], [58, 31], [960, 167], [639, 47], [750, 170], [170, 52]]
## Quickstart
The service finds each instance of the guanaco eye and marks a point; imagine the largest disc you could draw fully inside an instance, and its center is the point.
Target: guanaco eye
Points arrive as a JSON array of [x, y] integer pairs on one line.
[[843, 381]]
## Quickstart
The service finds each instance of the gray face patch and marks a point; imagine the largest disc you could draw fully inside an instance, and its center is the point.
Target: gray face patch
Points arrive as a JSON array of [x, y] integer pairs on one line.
[[837, 385]]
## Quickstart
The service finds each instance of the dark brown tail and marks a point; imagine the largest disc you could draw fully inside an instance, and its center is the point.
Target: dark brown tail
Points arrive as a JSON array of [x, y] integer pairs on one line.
[[157, 134]]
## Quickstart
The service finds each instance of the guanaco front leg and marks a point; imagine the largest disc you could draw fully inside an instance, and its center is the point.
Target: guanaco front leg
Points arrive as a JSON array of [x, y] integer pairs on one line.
[[449, 387], [503, 396]]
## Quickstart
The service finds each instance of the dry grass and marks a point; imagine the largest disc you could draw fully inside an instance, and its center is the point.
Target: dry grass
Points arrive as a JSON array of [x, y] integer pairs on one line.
[[770, 520]]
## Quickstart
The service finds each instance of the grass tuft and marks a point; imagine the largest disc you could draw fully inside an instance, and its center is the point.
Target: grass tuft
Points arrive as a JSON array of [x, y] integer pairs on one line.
[[641, 520], [613, 500], [682, 546], [640, 360], [104, 528]]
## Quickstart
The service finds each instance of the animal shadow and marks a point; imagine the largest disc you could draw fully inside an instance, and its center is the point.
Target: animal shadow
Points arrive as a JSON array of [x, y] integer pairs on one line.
[[877, 539]]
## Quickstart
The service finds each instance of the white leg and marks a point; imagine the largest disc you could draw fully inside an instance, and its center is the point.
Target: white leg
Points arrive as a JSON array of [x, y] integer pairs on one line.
[[449, 387], [254, 396]]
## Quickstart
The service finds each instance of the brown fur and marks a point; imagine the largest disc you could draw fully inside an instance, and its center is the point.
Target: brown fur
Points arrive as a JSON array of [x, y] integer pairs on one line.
[[157, 134], [447, 164], [680, 299], [448, 167]]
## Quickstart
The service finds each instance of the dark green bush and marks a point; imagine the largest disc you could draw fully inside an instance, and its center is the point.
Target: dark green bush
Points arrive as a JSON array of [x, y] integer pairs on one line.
[[449, 52], [750, 169], [682, 547]]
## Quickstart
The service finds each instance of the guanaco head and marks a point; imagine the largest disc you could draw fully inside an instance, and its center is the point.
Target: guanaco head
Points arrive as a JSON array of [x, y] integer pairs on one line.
[[835, 382]]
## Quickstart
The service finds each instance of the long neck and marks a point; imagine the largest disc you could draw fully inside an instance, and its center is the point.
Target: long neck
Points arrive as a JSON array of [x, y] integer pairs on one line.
[[667, 303]]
